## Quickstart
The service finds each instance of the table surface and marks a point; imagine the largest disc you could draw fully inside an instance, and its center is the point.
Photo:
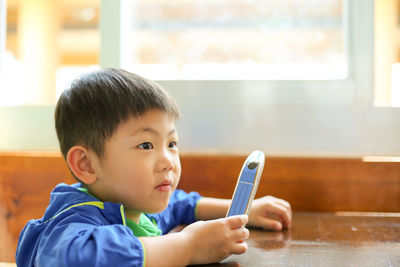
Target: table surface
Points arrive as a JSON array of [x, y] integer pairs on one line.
[[326, 239], [323, 239]]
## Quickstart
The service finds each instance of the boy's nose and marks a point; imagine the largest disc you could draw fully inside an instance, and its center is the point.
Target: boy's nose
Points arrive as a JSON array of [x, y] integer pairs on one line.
[[166, 162]]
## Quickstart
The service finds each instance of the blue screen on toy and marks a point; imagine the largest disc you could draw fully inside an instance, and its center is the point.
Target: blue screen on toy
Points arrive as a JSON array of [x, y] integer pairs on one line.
[[243, 192]]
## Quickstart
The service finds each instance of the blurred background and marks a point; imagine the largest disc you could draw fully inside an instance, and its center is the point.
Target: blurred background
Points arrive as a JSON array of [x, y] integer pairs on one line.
[[293, 77], [314, 84]]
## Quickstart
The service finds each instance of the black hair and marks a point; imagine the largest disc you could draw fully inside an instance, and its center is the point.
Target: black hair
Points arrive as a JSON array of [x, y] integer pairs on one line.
[[90, 110]]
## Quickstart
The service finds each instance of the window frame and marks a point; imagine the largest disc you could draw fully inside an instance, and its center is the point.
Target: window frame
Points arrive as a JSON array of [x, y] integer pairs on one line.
[[285, 92], [3, 32]]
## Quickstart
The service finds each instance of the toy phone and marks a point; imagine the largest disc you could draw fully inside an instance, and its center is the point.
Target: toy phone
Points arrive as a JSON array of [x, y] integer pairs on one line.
[[247, 183]]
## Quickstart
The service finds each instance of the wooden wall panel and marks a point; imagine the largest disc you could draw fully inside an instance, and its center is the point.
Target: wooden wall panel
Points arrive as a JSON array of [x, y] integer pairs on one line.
[[25, 182], [309, 184]]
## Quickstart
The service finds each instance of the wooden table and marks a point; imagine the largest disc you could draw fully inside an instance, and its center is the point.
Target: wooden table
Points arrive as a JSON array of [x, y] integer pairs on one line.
[[326, 239]]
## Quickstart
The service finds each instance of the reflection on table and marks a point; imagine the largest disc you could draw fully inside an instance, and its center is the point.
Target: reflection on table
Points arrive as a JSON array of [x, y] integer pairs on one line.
[[326, 239]]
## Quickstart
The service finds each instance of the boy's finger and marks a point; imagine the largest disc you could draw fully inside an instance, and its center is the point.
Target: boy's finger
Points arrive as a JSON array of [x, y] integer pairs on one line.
[[283, 213], [239, 248], [286, 215], [283, 203], [269, 224], [237, 221], [241, 233]]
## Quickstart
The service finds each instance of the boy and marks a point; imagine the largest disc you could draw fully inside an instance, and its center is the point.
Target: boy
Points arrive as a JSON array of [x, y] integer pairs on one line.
[[117, 134]]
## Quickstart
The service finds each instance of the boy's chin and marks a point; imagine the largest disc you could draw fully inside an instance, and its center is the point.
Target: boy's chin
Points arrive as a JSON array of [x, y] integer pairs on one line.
[[157, 208], [152, 209]]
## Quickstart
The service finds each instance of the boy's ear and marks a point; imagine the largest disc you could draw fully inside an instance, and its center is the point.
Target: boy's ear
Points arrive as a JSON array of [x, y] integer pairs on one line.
[[80, 164]]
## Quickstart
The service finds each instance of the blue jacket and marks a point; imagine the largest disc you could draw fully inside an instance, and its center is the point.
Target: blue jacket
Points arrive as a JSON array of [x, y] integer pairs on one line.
[[79, 230]]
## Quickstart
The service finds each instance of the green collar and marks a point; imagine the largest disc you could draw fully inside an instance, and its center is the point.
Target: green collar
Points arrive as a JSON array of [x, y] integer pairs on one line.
[[145, 226]]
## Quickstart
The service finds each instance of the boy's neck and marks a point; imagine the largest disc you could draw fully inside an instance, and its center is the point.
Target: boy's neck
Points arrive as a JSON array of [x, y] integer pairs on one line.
[[130, 214], [133, 215]]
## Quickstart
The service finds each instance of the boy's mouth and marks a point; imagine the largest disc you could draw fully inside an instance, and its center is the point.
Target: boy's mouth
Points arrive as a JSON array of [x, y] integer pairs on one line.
[[165, 186]]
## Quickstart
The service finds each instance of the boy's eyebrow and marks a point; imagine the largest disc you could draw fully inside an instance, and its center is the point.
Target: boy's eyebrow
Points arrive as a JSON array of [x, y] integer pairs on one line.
[[152, 131]]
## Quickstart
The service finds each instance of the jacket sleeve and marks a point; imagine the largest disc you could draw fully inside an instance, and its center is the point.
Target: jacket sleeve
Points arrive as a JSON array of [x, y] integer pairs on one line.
[[73, 243], [181, 210]]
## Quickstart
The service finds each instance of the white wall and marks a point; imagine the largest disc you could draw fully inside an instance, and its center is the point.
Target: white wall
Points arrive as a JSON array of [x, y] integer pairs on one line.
[[211, 127], [27, 128]]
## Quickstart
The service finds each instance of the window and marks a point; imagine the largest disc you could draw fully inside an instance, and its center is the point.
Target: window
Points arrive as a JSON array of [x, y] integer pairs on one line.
[[47, 44], [264, 45], [387, 52], [327, 77], [78, 40], [331, 112], [237, 39]]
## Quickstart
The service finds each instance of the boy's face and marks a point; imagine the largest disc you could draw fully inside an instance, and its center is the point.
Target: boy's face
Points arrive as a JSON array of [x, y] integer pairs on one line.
[[140, 167]]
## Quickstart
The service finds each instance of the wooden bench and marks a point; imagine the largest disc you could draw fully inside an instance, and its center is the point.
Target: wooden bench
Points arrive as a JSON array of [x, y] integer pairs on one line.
[[309, 184]]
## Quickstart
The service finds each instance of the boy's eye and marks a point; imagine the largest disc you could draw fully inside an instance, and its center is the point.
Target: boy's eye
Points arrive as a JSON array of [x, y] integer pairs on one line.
[[173, 145], [146, 146]]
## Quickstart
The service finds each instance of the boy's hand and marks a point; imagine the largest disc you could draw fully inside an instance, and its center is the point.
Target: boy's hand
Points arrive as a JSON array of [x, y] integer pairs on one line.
[[270, 213], [213, 241]]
